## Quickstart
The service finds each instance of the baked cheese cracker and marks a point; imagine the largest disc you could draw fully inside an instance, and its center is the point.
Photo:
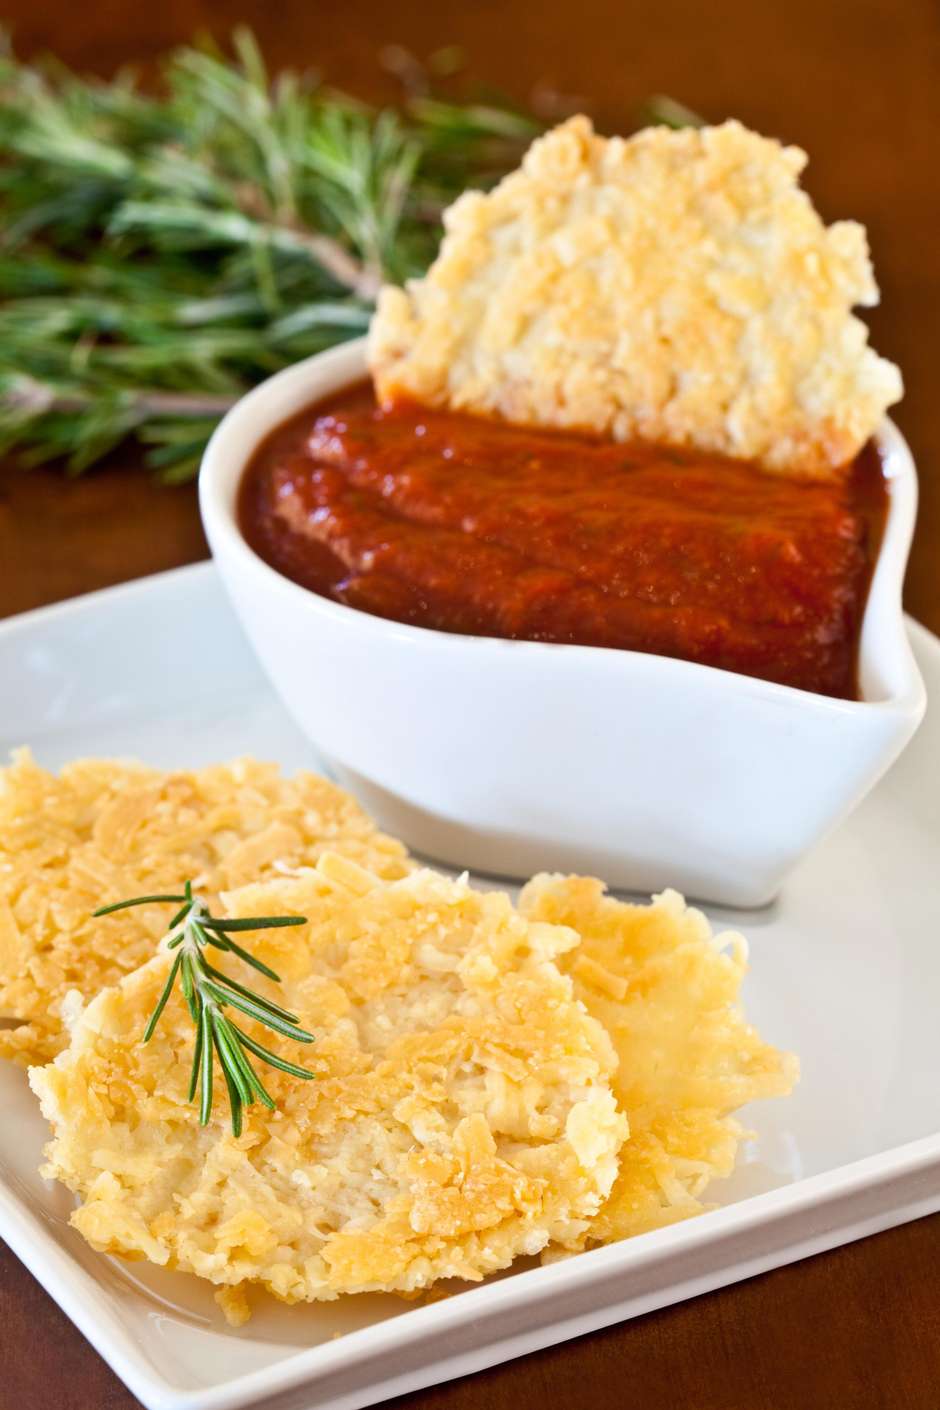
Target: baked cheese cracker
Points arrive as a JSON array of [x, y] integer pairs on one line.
[[675, 287], [104, 831], [462, 1111], [667, 991]]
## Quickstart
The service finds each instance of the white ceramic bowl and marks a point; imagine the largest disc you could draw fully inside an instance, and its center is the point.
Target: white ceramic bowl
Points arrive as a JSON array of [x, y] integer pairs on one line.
[[509, 757]]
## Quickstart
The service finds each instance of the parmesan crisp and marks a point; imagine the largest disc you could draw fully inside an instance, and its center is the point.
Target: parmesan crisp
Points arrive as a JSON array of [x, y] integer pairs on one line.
[[103, 831], [462, 1112], [674, 287], [667, 991]]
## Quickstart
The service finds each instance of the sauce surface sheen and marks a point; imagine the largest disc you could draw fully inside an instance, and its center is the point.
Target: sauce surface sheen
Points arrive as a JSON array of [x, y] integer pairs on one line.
[[465, 525]]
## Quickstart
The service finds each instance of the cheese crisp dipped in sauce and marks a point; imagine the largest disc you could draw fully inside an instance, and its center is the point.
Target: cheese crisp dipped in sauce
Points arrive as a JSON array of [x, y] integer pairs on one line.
[[674, 287], [629, 406]]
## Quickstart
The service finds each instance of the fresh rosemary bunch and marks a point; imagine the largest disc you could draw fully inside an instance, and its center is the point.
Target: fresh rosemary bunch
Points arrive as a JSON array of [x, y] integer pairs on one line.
[[208, 992], [161, 254]]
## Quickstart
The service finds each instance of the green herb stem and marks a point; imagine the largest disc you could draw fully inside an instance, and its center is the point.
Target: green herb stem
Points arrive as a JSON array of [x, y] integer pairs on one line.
[[207, 992]]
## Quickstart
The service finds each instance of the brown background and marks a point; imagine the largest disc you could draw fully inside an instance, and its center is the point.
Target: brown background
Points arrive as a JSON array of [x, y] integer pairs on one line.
[[857, 82]]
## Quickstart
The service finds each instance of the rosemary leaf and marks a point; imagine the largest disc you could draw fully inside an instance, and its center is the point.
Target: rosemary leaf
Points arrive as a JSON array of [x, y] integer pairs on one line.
[[234, 1099], [205, 1065], [197, 1063], [188, 982], [257, 964], [262, 923], [179, 916], [271, 1058], [138, 901], [162, 1001]]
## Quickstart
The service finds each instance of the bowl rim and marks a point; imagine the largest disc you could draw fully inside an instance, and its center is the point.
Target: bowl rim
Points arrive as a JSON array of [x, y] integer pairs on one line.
[[888, 672]]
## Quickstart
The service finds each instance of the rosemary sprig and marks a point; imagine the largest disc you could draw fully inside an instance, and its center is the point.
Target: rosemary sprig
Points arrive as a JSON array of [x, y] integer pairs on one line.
[[161, 254], [208, 993]]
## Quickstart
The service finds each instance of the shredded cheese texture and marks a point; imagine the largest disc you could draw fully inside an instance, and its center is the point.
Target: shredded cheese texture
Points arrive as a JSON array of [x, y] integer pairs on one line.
[[675, 287], [462, 1113], [104, 831], [667, 991]]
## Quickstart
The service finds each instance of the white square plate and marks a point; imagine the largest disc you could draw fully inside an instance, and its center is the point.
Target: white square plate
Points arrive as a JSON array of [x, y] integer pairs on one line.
[[845, 971]]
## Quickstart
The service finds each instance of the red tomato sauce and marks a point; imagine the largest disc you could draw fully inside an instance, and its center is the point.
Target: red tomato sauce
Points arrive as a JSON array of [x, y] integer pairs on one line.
[[467, 525]]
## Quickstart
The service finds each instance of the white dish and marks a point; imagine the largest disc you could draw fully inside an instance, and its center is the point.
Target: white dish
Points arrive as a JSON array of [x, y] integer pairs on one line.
[[845, 970], [512, 757]]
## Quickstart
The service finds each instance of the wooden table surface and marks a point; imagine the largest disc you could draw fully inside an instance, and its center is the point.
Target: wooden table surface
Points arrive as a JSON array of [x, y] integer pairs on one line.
[[857, 83]]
